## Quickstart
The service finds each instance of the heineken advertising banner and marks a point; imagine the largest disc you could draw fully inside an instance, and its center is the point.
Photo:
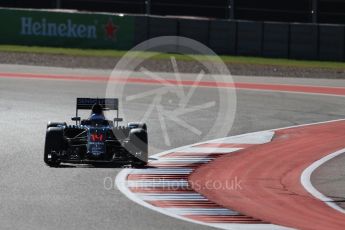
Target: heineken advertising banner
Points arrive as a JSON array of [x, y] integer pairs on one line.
[[66, 29]]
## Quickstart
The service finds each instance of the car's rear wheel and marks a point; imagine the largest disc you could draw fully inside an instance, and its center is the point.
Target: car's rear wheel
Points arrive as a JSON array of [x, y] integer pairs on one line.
[[54, 144]]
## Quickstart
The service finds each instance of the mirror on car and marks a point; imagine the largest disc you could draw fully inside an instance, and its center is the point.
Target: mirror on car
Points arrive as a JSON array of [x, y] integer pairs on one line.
[[75, 118]]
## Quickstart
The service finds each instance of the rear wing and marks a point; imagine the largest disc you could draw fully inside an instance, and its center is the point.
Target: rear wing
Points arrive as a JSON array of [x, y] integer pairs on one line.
[[106, 103]]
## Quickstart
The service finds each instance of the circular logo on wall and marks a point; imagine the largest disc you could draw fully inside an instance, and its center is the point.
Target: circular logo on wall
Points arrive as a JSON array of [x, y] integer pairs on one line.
[[179, 108]]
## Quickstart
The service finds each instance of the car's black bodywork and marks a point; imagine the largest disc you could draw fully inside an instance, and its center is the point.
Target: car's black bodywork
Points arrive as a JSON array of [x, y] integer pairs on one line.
[[96, 141]]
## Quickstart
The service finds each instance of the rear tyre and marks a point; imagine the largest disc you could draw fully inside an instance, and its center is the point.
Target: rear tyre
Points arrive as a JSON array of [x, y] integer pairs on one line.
[[54, 144]]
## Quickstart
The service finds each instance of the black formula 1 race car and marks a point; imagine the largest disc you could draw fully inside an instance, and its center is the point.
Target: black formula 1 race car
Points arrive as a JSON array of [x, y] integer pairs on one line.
[[96, 140]]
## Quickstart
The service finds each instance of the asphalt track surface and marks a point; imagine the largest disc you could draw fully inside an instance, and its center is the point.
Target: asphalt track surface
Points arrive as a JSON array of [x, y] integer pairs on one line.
[[34, 196]]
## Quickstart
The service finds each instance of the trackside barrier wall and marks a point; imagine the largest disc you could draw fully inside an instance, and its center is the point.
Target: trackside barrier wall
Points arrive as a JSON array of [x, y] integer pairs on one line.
[[194, 29], [303, 41], [331, 45], [222, 35], [249, 38], [114, 31], [276, 40], [141, 31], [158, 26], [66, 29], [268, 39], [162, 27]]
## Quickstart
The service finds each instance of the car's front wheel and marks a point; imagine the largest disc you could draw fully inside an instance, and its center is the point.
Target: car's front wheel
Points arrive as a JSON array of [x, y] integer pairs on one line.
[[54, 144], [138, 146]]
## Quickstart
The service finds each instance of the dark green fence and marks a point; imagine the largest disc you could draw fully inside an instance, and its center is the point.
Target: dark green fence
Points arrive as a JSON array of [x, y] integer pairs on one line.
[[49, 28], [251, 38], [233, 37]]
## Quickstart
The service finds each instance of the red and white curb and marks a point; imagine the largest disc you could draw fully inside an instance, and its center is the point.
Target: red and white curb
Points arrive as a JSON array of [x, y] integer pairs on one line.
[[164, 187]]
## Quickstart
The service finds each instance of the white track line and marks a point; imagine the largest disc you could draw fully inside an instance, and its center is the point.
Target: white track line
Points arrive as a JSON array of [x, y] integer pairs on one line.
[[258, 138], [163, 171], [186, 160], [209, 150], [202, 211], [306, 180]]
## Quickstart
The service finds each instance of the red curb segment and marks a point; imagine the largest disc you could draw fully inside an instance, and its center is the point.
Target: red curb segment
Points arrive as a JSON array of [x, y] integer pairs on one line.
[[338, 91], [269, 175]]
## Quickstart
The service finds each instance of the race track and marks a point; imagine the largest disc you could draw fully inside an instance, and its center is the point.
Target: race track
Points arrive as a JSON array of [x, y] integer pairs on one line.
[[34, 196]]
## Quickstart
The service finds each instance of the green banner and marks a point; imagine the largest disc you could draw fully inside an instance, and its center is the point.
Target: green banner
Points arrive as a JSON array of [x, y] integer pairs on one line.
[[66, 29]]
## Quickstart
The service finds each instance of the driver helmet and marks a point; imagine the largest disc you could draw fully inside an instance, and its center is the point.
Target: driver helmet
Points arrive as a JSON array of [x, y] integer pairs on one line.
[[97, 112]]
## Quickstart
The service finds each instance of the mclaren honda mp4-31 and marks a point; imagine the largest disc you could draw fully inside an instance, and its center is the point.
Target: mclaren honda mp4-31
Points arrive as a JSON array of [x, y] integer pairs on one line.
[[96, 140]]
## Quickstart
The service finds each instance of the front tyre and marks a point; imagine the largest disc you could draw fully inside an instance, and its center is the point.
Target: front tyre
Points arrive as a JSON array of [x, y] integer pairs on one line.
[[139, 164], [138, 147], [54, 144]]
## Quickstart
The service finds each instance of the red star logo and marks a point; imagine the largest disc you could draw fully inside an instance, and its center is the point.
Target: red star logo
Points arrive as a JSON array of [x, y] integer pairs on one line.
[[111, 29]]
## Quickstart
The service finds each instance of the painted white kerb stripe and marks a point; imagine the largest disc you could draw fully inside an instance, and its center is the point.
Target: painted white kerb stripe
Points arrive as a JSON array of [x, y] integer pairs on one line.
[[163, 171], [186, 160], [258, 138], [306, 180], [202, 211], [209, 150]]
